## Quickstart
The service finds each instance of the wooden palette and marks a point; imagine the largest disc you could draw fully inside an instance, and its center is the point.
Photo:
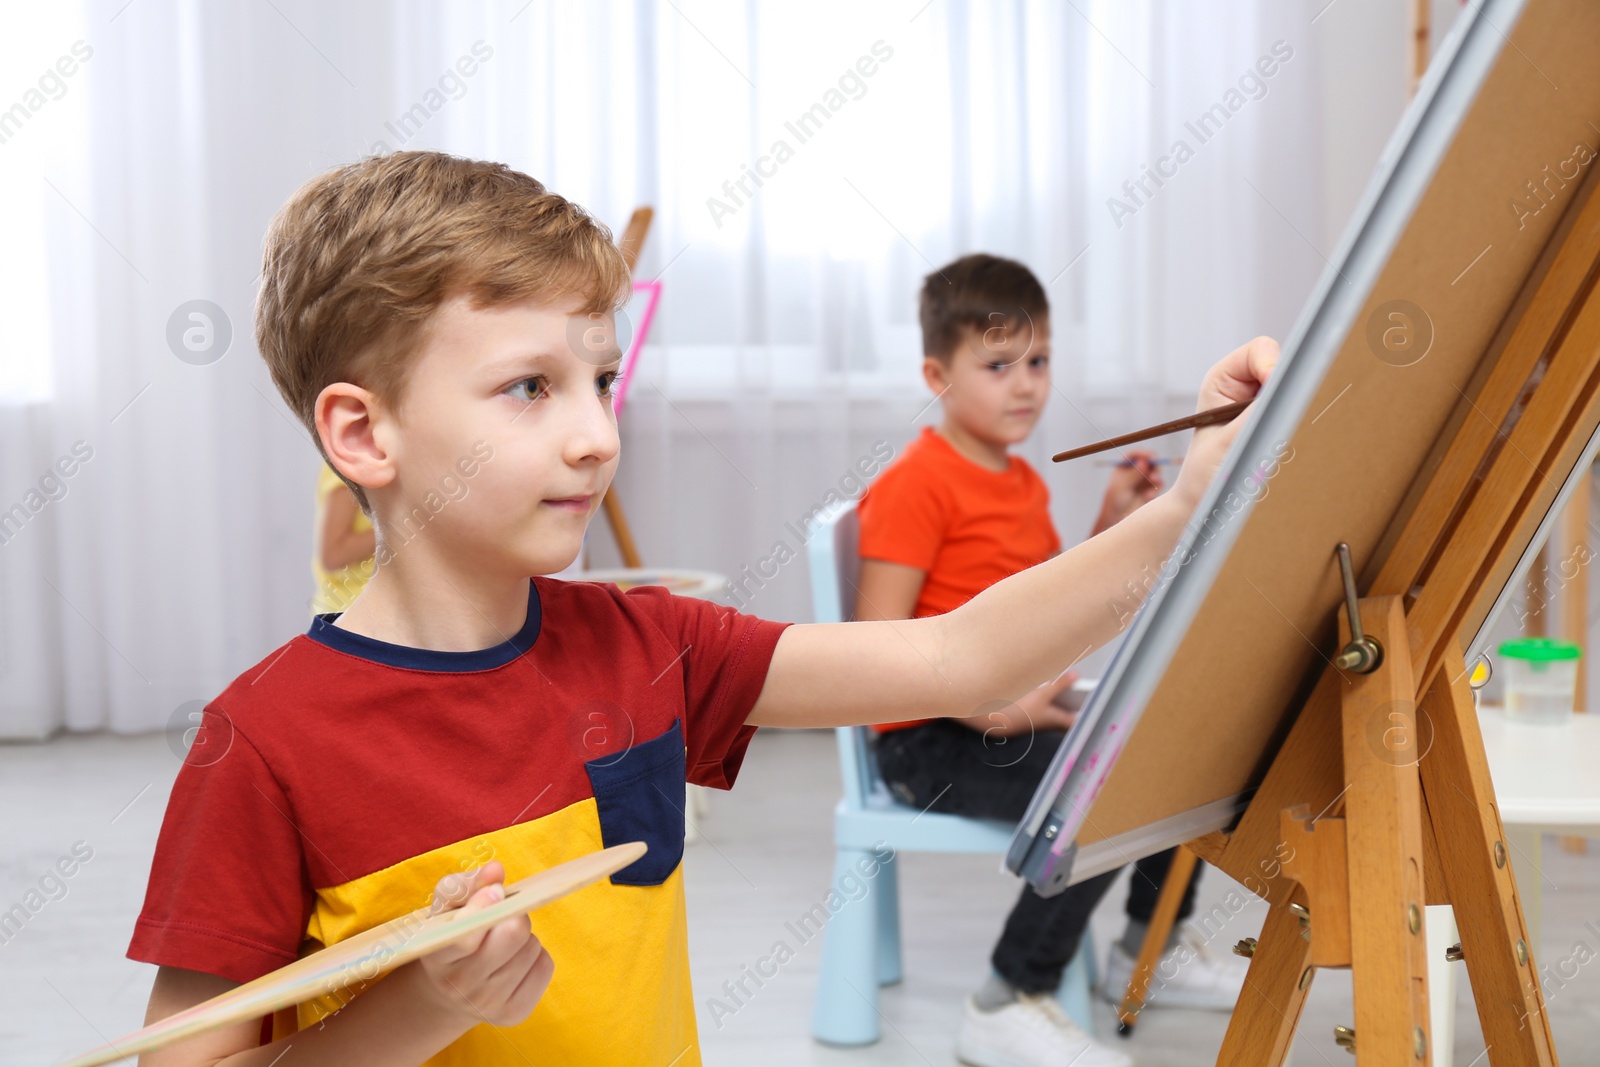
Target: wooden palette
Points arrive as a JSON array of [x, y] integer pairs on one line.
[[365, 955]]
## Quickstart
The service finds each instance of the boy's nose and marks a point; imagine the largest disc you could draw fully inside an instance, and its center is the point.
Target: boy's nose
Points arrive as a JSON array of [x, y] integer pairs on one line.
[[593, 434]]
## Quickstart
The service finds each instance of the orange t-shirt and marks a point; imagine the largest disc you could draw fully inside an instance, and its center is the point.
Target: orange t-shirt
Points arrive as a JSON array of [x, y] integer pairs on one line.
[[965, 525]]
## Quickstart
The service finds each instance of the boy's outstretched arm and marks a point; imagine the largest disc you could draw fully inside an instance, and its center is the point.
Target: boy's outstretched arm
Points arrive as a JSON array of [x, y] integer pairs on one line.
[[1017, 633]]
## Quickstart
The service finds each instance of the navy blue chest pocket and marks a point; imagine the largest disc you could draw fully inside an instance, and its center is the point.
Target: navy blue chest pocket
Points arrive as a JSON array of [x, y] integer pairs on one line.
[[640, 796]]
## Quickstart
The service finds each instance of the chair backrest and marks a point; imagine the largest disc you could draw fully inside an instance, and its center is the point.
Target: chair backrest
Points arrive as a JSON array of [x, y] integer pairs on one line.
[[835, 568], [835, 564]]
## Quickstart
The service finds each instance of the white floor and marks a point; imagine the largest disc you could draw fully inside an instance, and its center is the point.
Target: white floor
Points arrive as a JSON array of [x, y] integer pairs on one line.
[[763, 861]]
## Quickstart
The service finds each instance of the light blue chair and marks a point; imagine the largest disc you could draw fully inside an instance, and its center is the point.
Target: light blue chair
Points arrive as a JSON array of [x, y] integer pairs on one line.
[[861, 945]]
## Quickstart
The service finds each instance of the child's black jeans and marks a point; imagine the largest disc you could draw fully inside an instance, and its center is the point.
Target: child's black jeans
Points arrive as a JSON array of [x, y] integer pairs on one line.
[[944, 766]]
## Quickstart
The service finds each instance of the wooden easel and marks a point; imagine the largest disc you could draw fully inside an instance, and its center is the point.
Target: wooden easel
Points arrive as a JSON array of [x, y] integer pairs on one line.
[[1436, 401], [1406, 833], [1369, 811], [1161, 923], [1359, 879]]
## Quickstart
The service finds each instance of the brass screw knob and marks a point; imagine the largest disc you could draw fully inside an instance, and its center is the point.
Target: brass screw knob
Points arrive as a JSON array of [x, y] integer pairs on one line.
[[1414, 918], [1522, 952], [1301, 912], [1499, 854], [1305, 978], [1246, 947], [1419, 1043], [1453, 953], [1345, 1038]]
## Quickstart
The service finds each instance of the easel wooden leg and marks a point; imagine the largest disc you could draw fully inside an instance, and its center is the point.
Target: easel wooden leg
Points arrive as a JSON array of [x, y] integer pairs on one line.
[[1383, 820], [620, 528], [1155, 939], [1472, 843], [1262, 1027]]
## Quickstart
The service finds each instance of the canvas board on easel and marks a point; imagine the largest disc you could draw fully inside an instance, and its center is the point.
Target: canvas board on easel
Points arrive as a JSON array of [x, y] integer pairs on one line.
[[1291, 701], [1385, 368]]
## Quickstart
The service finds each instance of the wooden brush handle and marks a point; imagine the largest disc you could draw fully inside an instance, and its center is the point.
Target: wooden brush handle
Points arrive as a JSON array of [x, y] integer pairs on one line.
[[1209, 417]]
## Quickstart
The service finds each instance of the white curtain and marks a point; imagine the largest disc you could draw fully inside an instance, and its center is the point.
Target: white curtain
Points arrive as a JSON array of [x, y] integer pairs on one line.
[[786, 347]]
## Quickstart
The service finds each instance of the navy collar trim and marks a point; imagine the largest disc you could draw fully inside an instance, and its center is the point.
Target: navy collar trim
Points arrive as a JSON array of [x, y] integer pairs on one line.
[[427, 659]]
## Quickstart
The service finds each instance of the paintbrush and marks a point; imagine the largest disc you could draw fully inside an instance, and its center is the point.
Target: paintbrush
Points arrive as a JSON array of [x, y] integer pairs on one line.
[[1209, 417]]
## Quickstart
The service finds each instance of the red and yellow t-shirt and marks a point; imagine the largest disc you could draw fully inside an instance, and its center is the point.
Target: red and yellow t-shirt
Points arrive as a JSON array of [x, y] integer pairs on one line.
[[333, 784], [965, 525]]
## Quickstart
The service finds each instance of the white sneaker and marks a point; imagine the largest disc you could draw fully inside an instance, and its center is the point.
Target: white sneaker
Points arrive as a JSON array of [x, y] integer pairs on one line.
[[1191, 975], [1032, 1031]]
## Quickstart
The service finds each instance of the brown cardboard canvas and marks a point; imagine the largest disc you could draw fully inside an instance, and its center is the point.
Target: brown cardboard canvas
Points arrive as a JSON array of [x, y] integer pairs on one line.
[[1485, 231]]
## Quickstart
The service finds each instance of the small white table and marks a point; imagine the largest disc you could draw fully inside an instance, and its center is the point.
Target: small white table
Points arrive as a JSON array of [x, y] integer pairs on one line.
[[1546, 780]]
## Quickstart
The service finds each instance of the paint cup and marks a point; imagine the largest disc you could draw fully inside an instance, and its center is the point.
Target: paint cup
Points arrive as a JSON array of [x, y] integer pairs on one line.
[[1541, 679]]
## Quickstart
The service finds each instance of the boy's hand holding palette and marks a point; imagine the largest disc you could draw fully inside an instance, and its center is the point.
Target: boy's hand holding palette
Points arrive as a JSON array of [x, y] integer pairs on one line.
[[365, 955]]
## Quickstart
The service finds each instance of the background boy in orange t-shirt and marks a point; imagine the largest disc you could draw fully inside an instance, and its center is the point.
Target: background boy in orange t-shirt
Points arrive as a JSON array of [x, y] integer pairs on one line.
[[952, 516]]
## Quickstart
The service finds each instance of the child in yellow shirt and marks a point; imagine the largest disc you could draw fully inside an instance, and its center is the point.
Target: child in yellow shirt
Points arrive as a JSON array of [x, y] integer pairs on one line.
[[341, 560]]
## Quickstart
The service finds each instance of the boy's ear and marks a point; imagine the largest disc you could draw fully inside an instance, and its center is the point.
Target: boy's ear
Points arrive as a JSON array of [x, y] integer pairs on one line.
[[353, 428], [936, 374]]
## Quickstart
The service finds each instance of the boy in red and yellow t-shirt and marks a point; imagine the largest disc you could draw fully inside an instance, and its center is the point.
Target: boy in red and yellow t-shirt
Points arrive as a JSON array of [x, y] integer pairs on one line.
[[954, 515], [466, 720]]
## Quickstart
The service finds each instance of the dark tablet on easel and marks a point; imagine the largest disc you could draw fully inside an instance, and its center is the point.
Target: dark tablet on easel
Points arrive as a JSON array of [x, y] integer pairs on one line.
[[1405, 348]]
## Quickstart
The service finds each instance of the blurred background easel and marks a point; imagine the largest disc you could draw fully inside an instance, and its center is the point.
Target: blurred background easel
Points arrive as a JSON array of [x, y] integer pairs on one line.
[[631, 243]]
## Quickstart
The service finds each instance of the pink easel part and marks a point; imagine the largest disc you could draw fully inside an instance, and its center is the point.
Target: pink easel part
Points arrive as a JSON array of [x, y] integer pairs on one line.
[[631, 358]]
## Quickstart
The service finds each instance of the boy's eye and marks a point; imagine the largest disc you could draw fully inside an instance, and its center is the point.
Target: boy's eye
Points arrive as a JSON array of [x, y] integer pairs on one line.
[[1039, 362], [999, 367], [529, 389]]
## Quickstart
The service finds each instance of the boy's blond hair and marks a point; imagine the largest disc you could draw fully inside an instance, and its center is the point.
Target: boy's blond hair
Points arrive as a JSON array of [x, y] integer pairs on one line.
[[360, 257]]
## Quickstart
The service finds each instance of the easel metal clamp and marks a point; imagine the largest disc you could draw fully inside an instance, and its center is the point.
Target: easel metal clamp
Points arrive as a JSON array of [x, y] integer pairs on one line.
[[1362, 654]]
